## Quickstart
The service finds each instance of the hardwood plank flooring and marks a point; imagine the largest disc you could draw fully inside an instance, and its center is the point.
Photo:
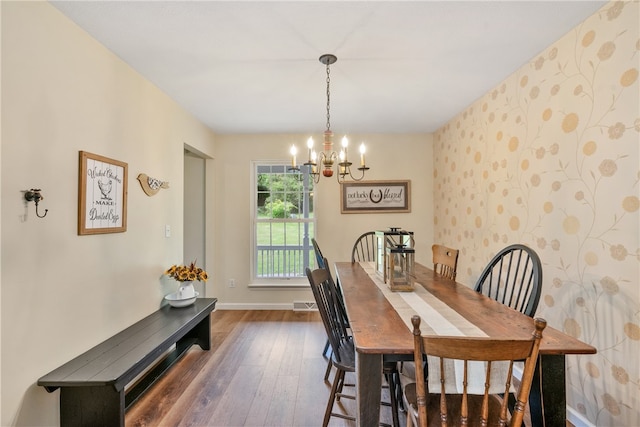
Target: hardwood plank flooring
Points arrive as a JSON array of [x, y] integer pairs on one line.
[[265, 368]]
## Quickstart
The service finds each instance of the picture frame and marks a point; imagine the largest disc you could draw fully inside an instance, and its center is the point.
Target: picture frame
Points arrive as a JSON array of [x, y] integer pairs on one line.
[[375, 197], [102, 195]]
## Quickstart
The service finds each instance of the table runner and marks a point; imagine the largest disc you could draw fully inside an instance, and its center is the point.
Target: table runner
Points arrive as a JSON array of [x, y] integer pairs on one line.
[[437, 318]]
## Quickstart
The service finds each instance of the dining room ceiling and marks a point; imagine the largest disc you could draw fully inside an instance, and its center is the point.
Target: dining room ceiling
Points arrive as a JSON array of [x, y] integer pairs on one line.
[[252, 66]]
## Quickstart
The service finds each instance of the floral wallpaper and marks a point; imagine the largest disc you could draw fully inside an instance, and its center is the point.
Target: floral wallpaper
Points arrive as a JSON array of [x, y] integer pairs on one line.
[[550, 158]]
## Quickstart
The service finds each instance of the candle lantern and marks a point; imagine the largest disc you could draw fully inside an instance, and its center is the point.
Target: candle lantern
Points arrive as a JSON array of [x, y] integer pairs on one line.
[[400, 268], [388, 239]]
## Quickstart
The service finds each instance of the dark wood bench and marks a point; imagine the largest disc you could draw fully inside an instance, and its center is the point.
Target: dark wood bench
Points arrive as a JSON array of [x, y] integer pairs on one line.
[[92, 386]]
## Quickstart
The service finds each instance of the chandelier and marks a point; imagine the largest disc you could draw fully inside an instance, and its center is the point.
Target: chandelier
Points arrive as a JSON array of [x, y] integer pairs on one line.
[[327, 158]]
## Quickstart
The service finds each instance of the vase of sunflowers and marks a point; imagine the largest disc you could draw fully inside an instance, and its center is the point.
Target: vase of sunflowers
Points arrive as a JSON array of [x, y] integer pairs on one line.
[[186, 290], [185, 275]]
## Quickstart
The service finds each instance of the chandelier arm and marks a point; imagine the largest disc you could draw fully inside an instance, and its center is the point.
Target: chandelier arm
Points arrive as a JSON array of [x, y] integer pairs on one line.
[[362, 170]]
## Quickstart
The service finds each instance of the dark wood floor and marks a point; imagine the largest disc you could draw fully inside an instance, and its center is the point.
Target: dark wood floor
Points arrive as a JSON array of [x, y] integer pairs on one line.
[[265, 368]]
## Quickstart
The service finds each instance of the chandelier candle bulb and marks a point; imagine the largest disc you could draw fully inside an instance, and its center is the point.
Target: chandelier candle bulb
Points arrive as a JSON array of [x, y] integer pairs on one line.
[[345, 143], [310, 146], [362, 150], [293, 156]]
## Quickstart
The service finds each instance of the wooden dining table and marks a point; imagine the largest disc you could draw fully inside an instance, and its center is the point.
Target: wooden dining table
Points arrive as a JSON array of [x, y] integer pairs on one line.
[[379, 330]]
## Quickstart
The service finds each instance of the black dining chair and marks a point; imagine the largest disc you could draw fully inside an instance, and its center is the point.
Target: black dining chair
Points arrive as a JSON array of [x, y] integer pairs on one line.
[[514, 278], [343, 353], [318, 253], [321, 262], [364, 249]]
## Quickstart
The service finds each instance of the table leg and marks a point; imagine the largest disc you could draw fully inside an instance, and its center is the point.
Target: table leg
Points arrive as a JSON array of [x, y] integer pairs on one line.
[[368, 386], [548, 400]]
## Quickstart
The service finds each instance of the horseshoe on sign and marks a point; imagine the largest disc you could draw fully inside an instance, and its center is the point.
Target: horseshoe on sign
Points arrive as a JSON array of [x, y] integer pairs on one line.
[[373, 199]]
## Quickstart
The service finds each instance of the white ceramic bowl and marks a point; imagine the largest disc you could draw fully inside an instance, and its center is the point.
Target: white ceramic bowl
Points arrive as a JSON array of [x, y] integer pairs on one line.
[[175, 301]]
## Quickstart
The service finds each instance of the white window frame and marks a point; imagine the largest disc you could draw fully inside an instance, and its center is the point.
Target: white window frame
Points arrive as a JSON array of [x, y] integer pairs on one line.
[[272, 282]]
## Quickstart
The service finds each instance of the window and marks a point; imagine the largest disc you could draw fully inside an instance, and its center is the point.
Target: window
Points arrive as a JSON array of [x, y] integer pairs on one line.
[[284, 222]]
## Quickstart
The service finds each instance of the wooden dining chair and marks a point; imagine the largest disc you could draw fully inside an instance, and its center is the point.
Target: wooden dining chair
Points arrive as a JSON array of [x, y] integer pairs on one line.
[[343, 349], [514, 278], [320, 264], [318, 253], [321, 261], [364, 249], [461, 401], [445, 261]]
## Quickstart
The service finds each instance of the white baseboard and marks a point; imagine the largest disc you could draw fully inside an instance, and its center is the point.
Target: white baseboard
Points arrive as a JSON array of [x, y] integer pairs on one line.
[[254, 306]]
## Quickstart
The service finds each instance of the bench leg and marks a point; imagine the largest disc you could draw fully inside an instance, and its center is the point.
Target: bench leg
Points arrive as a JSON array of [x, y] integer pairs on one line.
[[91, 406], [200, 334]]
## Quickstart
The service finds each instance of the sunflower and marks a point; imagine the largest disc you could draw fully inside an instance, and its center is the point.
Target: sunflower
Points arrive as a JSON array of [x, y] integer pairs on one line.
[[190, 273]]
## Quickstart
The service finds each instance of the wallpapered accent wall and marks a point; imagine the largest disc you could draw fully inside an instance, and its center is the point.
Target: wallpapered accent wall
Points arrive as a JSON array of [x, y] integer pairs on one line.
[[550, 158]]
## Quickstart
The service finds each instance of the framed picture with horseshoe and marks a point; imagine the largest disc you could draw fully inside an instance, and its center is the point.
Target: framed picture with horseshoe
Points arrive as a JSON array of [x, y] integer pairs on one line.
[[102, 195], [375, 197]]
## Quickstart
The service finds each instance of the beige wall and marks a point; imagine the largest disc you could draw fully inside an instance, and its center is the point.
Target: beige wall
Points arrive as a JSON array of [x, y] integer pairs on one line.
[[62, 293], [550, 159], [390, 157]]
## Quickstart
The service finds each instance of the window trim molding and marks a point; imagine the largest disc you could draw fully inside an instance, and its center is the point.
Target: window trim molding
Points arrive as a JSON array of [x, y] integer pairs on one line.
[[266, 282]]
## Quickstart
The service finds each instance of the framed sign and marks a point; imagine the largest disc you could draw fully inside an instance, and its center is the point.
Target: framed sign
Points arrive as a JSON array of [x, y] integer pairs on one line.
[[375, 196], [102, 195]]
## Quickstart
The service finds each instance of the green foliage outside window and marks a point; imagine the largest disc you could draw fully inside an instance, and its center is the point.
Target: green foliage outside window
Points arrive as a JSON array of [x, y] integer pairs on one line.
[[285, 222], [280, 209], [281, 193]]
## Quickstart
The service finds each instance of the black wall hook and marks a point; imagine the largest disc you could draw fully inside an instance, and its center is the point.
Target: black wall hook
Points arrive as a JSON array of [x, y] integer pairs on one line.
[[35, 196]]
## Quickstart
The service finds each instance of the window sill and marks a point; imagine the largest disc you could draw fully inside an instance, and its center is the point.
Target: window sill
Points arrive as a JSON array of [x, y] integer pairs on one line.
[[280, 285]]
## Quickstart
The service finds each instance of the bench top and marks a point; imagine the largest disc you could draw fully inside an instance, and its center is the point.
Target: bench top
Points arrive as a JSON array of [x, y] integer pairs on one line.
[[119, 359]]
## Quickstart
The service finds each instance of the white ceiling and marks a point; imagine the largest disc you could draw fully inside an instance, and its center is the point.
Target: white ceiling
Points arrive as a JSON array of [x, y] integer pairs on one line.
[[252, 66]]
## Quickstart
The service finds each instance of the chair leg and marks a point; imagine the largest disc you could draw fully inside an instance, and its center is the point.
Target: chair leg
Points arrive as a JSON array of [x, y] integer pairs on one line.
[[340, 386], [391, 381], [326, 347], [399, 397], [328, 371], [409, 419], [332, 396]]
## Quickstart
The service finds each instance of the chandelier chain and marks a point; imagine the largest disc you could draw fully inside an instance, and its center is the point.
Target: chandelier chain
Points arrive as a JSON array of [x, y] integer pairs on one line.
[[328, 100]]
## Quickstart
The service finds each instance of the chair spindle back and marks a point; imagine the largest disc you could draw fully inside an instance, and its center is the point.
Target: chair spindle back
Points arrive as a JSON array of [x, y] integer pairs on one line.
[[445, 261], [328, 300], [364, 249], [514, 278], [444, 408]]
